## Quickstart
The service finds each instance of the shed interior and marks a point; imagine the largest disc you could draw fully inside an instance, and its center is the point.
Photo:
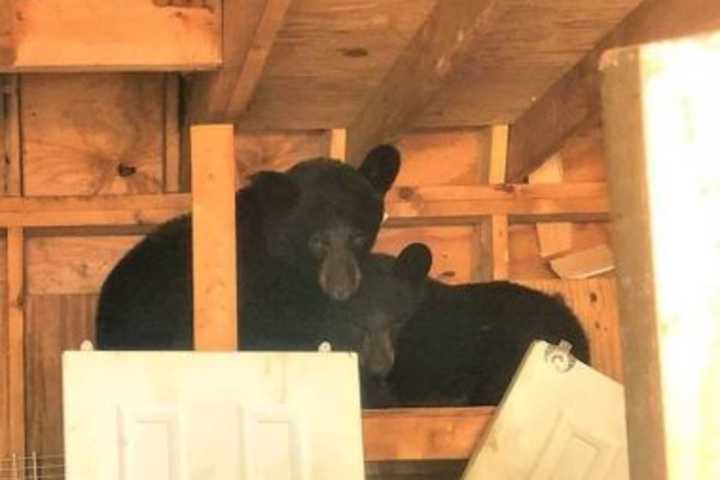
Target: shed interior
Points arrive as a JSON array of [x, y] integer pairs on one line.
[[495, 106]]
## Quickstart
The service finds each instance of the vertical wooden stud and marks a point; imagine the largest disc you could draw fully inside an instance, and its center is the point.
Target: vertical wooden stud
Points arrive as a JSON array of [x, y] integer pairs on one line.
[[214, 245], [492, 233], [338, 144], [172, 133], [660, 107], [15, 380], [11, 130], [498, 153]]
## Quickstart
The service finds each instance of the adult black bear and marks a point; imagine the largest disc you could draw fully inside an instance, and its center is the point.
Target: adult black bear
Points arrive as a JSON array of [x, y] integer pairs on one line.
[[302, 238], [457, 345]]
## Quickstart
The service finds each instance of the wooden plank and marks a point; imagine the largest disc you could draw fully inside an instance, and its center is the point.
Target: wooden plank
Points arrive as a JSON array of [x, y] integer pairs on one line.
[[5, 443], [54, 323], [439, 47], [138, 36], [214, 249], [492, 232], [16, 340], [498, 153], [594, 301], [7, 32], [523, 202], [223, 96], [494, 244], [584, 263], [423, 433], [657, 112], [554, 238], [338, 143], [92, 134], [116, 210], [11, 135], [171, 164], [573, 101]]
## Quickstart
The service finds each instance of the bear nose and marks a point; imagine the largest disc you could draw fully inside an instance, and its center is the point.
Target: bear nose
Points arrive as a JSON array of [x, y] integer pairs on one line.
[[339, 275]]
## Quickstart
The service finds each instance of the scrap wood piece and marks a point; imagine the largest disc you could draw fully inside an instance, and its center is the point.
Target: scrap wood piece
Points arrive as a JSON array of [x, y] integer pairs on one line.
[[555, 238], [585, 263]]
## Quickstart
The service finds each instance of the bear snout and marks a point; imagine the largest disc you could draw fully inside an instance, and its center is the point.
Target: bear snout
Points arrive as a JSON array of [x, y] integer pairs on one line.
[[339, 275]]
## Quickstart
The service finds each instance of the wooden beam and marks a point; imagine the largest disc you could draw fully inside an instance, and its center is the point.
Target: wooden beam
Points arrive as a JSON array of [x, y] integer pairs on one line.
[[498, 153], [493, 240], [573, 102], [16, 341], [223, 96], [214, 246], [423, 433], [436, 51], [171, 164], [13, 184], [661, 103], [116, 210], [138, 35], [522, 202], [492, 231], [7, 32]]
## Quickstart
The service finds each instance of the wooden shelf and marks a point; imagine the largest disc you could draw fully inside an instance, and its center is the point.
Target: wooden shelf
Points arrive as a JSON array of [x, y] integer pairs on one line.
[[423, 433]]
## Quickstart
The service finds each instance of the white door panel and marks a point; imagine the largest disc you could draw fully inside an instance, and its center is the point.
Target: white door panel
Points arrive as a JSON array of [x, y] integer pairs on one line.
[[200, 415], [559, 420]]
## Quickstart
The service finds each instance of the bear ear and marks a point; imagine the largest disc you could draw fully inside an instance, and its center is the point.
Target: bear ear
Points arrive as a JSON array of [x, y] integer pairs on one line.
[[414, 262], [275, 191], [381, 166]]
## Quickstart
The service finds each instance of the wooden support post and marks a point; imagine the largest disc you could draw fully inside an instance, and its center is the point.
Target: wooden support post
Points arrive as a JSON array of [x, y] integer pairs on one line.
[[172, 133], [214, 245], [338, 144], [14, 381], [11, 132], [661, 106], [494, 239], [493, 231]]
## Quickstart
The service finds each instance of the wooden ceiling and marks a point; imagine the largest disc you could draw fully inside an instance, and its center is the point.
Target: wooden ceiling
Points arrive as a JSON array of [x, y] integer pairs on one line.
[[375, 68], [329, 56]]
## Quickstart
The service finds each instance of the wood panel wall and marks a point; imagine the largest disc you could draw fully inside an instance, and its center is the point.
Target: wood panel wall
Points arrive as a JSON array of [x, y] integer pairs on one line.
[[117, 134]]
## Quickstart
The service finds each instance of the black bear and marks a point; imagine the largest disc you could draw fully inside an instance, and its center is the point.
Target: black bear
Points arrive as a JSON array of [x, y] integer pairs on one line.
[[370, 321], [464, 342], [447, 345], [303, 236]]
